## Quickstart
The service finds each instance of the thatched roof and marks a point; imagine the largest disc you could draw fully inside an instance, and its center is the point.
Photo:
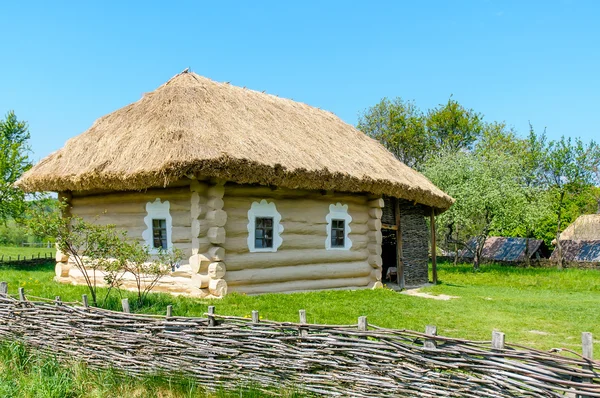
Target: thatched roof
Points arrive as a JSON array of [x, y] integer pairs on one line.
[[586, 227], [497, 248], [192, 125]]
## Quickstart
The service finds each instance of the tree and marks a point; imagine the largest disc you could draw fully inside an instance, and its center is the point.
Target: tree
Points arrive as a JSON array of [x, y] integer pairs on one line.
[[93, 247], [453, 127], [399, 126], [487, 194], [14, 161], [569, 167]]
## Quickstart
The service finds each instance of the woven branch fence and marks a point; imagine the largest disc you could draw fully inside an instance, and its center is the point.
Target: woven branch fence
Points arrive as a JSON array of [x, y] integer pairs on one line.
[[358, 360]]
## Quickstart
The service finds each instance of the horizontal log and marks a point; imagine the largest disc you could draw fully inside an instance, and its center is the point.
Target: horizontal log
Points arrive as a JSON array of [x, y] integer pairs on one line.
[[374, 248], [240, 228], [216, 191], [215, 203], [375, 261], [375, 212], [217, 218], [62, 269], [200, 280], [218, 287], [377, 203], [301, 286], [216, 235], [375, 237], [216, 270], [61, 257], [216, 253], [239, 244], [299, 272], [236, 262], [374, 224], [179, 198]]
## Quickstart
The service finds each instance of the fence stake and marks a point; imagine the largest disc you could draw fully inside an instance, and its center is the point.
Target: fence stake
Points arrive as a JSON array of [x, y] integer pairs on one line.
[[169, 311], [125, 304], [362, 323], [211, 319], [85, 301], [21, 294], [57, 300], [303, 331], [497, 340], [19, 257], [255, 317], [587, 348], [430, 330], [3, 289]]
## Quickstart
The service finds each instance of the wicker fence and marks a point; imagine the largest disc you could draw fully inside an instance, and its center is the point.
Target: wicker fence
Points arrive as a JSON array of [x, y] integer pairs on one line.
[[346, 360]]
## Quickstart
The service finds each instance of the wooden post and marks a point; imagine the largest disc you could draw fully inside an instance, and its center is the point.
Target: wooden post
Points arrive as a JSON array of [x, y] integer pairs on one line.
[[125, 305], [362, 323], [84, 299], [433, 248], [497, 340], [587, 345], [211, 319], [303, 331], [21, 294], [431, 331], [255, 317], [3, 289], [169, 311], [57, 300], [399, 260]]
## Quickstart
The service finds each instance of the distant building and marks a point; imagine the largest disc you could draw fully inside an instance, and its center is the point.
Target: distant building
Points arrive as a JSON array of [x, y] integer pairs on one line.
[[509, 250], [581, 240]]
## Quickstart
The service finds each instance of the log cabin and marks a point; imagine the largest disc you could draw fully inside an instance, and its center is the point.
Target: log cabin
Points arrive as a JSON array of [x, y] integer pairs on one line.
[[262, 194]]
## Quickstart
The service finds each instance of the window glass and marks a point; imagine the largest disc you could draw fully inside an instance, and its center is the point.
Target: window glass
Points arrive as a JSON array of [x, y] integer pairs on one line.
[[337, 233], [159, 233], [263, 233]]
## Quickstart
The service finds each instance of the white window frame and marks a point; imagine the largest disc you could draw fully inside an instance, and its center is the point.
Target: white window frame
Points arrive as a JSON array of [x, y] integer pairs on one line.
[[338, 212], [157, 210], [264, 209]]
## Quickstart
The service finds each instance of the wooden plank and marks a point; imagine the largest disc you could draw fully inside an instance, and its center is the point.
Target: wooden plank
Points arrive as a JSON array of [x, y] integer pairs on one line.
[[389, 226], [399, 261], [433, 248]]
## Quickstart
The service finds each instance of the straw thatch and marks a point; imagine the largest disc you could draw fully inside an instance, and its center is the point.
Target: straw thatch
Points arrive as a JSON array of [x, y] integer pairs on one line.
[[192, 125], [586, 227]]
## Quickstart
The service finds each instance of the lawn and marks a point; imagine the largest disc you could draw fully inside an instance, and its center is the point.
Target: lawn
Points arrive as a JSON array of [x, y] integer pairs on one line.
[[14, 252], [542, 308]]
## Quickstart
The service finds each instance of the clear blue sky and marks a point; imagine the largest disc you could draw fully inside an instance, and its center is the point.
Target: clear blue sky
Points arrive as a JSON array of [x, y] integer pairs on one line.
[[63, 65]]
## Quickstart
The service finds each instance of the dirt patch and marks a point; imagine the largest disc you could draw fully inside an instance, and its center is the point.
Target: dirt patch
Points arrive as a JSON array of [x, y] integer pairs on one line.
[[419, 293]]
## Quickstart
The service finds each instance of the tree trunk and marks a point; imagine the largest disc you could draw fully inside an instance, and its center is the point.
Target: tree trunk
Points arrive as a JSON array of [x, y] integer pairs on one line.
[[456, 248], [560, 262], [527, 262]]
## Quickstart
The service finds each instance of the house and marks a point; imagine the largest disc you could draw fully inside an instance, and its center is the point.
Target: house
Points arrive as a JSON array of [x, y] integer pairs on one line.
[[263, 194], [508, 250], [580, 241]]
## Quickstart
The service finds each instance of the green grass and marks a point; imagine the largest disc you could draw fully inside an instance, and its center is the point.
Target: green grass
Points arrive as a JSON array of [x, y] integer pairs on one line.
[[13, 252], [542, 308], [27, 373]]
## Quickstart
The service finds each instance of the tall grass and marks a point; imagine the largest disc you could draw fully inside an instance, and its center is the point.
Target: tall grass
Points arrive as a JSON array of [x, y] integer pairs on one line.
[[26, 373]]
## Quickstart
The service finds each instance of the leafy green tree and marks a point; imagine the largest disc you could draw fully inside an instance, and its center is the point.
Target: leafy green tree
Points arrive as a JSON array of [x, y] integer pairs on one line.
[[454, 127], [487, 193], [399, 126], [14, 161], [569, 167]]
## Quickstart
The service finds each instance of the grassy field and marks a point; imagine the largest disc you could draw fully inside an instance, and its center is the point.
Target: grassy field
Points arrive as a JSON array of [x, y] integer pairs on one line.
[[25, 373], [13, 252], [542, 308]]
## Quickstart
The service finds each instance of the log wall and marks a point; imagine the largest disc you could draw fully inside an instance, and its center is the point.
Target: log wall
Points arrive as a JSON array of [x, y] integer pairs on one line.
[[126, 210], [301, 263]]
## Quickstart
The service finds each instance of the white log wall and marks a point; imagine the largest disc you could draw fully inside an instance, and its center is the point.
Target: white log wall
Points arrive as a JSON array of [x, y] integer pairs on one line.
[[301, 263], [126, 210]]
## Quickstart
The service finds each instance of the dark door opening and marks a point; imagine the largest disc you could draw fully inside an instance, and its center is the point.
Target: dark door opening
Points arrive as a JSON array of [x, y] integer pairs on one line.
[[389, 255]]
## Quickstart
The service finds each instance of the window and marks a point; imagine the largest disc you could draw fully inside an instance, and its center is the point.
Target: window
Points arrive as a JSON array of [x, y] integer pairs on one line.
[[159, 234], [263, 233], [264, 227], [338, 228], [337, 233], [159, 226]]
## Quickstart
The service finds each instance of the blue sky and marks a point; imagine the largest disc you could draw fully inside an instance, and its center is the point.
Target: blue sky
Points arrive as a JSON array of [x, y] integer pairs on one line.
[[64, 64]]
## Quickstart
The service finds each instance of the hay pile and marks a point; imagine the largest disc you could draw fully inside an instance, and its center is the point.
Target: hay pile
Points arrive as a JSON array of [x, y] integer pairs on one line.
[[192, 125], [586, 227]]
